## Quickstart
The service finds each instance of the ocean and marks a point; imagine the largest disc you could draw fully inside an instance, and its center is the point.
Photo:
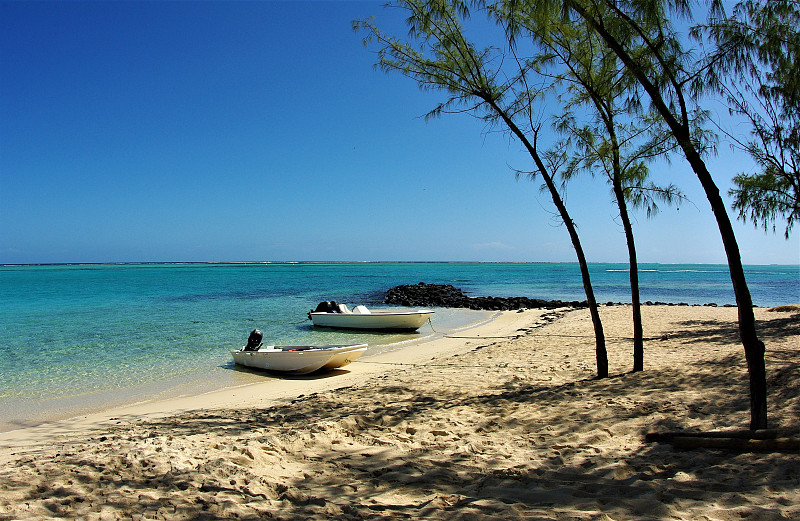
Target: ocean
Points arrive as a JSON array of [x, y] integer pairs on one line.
[[80, 338]]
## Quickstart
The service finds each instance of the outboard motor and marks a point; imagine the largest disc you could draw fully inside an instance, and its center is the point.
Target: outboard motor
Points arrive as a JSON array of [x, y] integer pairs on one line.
[[254, 341], [329, 306]]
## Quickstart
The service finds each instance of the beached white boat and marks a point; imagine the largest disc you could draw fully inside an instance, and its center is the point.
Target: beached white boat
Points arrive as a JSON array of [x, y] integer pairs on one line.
[[299, 359], [362, 318]]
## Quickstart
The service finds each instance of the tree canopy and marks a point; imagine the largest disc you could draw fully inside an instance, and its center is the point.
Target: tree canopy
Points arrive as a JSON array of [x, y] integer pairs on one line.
[[756, 67], [625, 60], [438, 56]]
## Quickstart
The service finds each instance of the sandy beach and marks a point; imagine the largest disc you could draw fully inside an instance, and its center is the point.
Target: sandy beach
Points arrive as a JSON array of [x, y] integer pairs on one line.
[[504, 421]]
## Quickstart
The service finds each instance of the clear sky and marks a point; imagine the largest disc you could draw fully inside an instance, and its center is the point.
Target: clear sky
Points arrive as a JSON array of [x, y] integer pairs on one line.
[[256, 131]]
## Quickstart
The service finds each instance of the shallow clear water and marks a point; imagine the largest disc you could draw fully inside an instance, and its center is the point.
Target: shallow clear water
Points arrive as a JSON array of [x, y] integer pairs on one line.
[[79, 338]]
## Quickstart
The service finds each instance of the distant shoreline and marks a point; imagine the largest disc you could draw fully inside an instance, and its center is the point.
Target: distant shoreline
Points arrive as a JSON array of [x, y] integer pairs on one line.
[[260, 263]]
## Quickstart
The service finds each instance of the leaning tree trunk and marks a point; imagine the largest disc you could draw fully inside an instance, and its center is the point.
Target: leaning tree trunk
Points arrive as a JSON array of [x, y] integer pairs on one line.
[[753, 347], [599, 337], [619, 195]]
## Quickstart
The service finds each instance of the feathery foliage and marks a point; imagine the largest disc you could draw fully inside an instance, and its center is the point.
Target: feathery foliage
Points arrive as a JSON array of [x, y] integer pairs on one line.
[[478, 81], [756, 67]]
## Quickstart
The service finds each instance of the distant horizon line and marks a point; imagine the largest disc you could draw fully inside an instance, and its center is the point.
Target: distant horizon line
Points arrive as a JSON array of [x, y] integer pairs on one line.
[[151, 263]]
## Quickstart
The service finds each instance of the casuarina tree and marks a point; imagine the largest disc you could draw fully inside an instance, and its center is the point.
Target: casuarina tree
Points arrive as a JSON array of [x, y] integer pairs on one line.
[[755, 65], [600, 127], [488, 84], [641, 34]]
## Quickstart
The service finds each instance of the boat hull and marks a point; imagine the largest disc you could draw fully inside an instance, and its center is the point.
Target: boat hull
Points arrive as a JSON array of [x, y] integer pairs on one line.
[[342, 359], [375, 320], [299, 359]]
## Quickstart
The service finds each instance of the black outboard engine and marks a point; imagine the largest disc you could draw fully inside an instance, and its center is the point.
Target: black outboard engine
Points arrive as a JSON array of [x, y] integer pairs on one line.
[[254, 341], [329, 306]]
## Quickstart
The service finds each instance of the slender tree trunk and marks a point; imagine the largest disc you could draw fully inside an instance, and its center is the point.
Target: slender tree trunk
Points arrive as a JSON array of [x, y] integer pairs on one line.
[[616, 182], [753, 347], [638, 335], [599, 337]]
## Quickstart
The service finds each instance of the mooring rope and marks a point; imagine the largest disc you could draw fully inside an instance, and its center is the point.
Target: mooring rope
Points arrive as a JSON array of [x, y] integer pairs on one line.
[[456, 366], [528, 333]]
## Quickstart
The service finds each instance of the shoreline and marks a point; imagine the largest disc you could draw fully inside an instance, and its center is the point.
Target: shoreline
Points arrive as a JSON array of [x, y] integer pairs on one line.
[[275, 388], [30, 413], [502, 421], [146, 263]]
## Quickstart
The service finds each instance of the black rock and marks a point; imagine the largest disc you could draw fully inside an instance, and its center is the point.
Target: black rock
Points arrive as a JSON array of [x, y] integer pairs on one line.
[[447, 296]]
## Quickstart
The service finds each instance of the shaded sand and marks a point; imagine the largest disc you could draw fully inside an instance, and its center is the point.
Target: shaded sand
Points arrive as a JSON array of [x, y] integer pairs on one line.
[[505, 422]]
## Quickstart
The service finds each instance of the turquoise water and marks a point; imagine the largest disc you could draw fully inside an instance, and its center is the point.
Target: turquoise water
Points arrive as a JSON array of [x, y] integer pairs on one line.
[[83, 337]]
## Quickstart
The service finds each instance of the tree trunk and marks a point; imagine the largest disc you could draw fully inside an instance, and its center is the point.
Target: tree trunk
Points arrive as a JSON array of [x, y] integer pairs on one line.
[[753, 347], [599, 337], [616, 182], [601, 355], [638, 334]]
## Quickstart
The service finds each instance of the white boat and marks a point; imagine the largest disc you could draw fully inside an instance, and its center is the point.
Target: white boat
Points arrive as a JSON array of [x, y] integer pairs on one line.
[[362, 318], [299, 359]]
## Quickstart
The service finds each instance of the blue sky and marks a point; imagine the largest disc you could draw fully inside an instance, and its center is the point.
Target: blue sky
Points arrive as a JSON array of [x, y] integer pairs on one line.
[[255, 131]]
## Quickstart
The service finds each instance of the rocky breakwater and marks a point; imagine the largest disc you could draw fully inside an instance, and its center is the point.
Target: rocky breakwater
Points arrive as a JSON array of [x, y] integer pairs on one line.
[[445, 295]]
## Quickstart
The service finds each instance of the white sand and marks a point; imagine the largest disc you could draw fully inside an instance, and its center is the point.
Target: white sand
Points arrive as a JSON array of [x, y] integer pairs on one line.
[[505, 422]]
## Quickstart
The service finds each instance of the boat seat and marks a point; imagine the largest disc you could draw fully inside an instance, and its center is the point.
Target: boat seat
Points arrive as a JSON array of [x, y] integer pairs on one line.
[[361, 310], [343, 309]]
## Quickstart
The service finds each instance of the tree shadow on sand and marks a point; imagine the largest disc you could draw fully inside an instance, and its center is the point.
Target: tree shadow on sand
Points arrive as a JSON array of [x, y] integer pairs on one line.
[[724, 332], [444, 478], [406, 452]]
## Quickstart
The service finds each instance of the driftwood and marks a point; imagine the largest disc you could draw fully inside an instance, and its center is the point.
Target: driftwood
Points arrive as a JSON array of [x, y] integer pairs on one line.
[[738, 444], [764, 434], [767, 440]]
